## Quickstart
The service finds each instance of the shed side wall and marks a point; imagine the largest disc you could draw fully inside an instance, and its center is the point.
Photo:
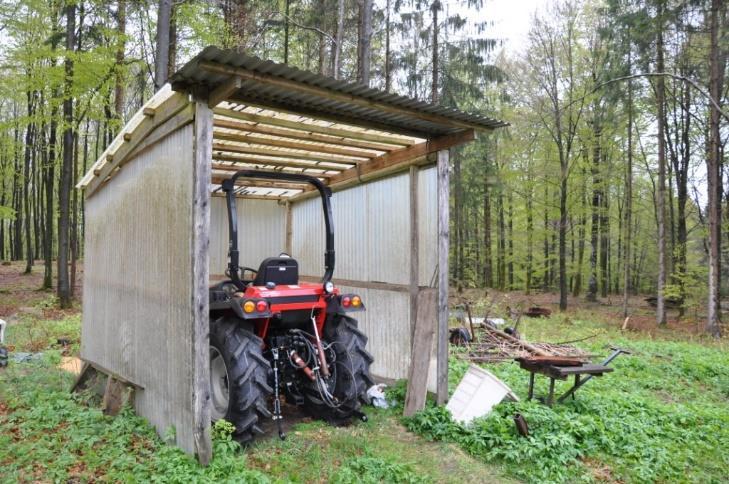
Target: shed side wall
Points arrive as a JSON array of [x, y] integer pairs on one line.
[[372, 243], [137, 314]]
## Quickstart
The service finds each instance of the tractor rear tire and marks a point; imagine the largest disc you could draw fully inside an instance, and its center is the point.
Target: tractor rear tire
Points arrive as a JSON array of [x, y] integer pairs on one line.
[[245, 375], [352, 372]]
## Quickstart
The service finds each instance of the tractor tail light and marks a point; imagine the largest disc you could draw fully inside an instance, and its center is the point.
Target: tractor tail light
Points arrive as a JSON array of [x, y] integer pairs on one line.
[[261, 306], [249, 306], [356, 301], [346, 301]]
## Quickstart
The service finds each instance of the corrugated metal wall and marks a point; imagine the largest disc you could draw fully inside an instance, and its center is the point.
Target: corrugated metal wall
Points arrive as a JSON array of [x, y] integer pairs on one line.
[[372, 243], [261, 232], [137, 317]]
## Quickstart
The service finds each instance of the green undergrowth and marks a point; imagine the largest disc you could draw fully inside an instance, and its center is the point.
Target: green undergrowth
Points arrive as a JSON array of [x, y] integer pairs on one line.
[[49, 435], [661, 416]]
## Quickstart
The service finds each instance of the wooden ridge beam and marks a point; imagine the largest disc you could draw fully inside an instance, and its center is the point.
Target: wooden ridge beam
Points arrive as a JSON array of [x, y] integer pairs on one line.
[[299, 133], [258, 140], [290, 164], [223, 91], [321, 92], [252, 150], [315, 128]]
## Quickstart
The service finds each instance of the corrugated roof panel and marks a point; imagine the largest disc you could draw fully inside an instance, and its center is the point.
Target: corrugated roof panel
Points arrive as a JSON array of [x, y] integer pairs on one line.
[[275, 96]]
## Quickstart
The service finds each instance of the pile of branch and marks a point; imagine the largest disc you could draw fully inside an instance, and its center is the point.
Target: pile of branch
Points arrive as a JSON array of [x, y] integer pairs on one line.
[[492, 345]]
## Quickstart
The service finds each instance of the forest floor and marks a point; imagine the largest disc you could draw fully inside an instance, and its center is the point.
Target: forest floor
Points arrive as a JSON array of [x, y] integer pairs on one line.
[[662, 415]]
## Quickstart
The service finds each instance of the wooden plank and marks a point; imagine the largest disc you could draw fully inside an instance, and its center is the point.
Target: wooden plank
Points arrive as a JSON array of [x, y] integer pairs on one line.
[[316, 128], [425, 325], [252, 182], [414, 247], [443, 272], [278, 162], [400, 159], [287, 143], [290, 155], [299, 133], [252, 197], [253, 165], [324, 93], [223, 91], [380, 286], [200, 233], [162, 114], [116, 395]]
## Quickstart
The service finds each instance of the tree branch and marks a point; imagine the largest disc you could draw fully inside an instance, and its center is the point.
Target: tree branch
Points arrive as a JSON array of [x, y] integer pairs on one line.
[[685, 79]]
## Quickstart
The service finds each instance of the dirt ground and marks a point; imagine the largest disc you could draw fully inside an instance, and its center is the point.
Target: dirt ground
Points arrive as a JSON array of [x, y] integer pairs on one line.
[[609, 309], [22, 294]]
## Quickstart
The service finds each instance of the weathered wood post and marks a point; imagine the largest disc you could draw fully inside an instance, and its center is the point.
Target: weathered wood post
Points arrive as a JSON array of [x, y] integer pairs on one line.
[[442, 303]]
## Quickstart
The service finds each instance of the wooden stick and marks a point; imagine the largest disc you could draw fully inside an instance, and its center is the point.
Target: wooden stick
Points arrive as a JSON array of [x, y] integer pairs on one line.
[[524, 344]]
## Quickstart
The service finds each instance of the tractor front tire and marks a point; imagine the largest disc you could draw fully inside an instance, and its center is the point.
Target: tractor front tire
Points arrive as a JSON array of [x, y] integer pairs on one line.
[[243, 379], [352, 372]]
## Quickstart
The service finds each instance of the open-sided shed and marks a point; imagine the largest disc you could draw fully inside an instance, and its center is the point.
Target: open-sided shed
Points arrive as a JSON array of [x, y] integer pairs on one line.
[[156, 230]]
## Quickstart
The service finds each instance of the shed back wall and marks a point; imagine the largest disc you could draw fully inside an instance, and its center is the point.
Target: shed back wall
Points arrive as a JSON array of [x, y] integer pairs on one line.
[[261, 232], [372, 243], [137, 315]]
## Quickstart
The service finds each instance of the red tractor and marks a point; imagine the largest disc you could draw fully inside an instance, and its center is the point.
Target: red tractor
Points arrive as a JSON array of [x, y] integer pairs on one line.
[[271, 334]]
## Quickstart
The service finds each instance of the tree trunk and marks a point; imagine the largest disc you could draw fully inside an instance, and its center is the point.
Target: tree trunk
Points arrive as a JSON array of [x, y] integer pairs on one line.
[[661, 189], [487, 260], [364, 42], [337, 69], [595, 217], [458, 219], [563, 233], [49, 180], [628, 204], [388, 54], [162, 57], [713, 169], [530, 237], [435, 54], [581, 232], [29, 145], [510, 254], [64, 188], [121, 19]]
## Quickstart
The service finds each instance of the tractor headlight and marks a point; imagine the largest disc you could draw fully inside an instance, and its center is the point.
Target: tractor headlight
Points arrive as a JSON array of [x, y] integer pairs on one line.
[[329, 287]]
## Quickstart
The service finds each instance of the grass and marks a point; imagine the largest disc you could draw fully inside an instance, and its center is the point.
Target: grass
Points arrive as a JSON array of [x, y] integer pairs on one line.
[[49, 435], [661, 416]]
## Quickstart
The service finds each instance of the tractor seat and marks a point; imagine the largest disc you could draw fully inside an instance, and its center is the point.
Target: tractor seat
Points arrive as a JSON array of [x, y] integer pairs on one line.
[[279, 270]]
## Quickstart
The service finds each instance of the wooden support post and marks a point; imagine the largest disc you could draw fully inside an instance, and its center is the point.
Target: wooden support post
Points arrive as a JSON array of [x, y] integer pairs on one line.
[[442, 303], [116, 395], [421, 349], [289, 228], [414, 248], [201, 411]]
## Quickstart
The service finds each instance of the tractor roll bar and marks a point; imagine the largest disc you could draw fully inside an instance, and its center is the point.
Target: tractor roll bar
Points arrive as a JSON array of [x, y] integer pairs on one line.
[[229, 189]]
